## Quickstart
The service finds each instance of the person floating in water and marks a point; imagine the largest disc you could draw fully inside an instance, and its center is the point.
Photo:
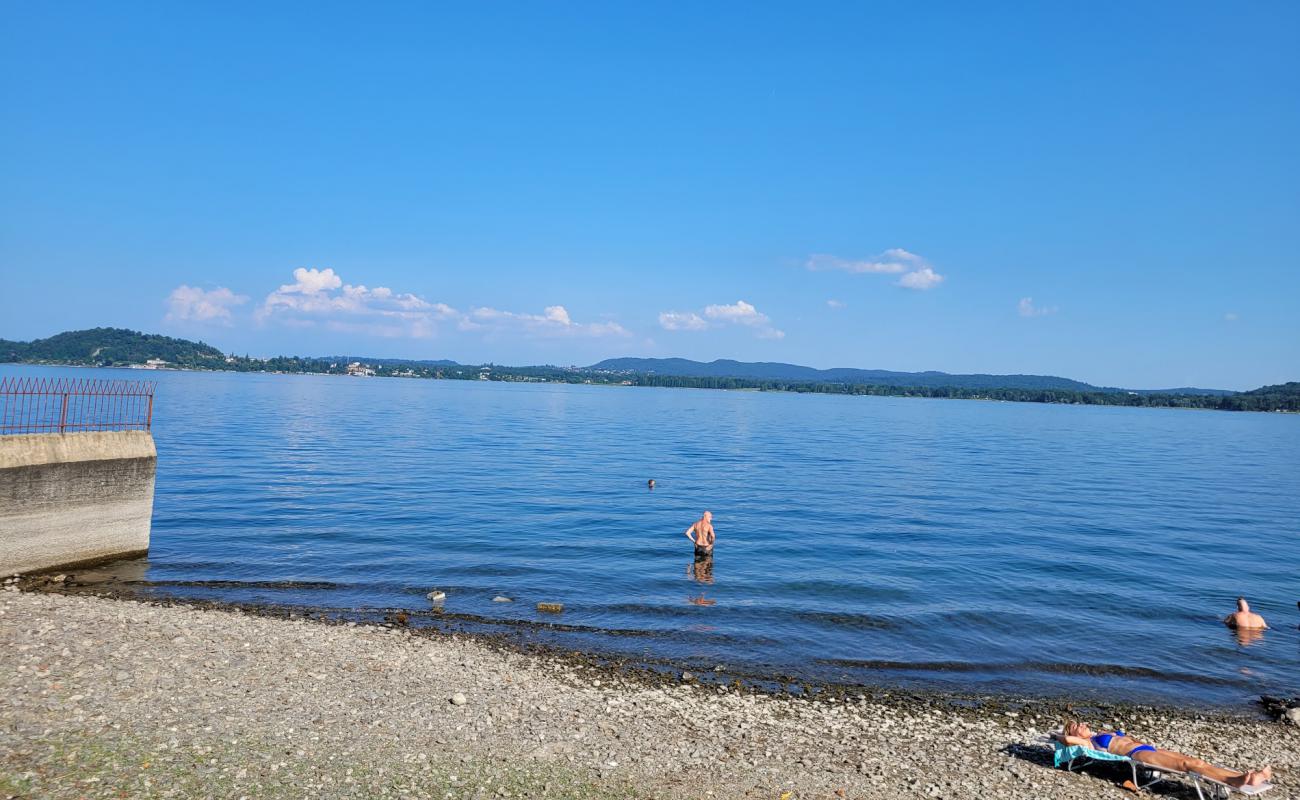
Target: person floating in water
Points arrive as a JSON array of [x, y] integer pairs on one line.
[[650, 484], [1117, 742], [1245, 619], [702, 536]]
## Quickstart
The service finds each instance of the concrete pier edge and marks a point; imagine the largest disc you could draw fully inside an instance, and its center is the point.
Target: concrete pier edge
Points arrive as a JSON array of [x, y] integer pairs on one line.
[[74, 499]]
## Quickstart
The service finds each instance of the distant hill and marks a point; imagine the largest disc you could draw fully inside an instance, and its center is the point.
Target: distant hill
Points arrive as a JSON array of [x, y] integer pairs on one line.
[[121, 347], [110, 347], [1290, 389], [767, 370]]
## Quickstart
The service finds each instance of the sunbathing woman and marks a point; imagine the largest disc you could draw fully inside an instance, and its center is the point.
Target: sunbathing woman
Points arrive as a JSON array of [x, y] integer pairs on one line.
[[1078, 733]]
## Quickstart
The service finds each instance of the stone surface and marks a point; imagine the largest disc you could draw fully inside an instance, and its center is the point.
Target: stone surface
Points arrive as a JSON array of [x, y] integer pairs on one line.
[[113, 698], [74, 498]]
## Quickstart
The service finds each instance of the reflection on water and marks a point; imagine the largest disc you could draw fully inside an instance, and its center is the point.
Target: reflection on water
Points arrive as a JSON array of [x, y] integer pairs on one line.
[[1248, 636], [882, 540], [135, 570], [700, 570]]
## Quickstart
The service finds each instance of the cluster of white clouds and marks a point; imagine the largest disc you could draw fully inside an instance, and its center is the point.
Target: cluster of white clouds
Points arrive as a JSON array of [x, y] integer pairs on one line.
[[1026, 308], [320, 298], [553, 321], [193, 304], [737, 313], [913, 271]]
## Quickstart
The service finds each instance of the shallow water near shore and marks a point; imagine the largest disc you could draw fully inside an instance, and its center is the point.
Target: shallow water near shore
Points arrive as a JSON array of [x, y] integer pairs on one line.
[[952, 545]]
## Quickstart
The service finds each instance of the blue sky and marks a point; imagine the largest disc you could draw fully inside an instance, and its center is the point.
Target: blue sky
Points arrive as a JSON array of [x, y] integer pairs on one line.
[[1106, 191]]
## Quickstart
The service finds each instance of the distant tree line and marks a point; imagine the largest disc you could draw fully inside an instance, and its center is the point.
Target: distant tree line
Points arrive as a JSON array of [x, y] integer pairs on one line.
[[110, 347], [1284, 397]]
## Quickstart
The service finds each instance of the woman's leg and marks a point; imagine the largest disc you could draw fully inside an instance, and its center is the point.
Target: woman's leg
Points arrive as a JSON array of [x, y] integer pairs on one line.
[[1168, 759]]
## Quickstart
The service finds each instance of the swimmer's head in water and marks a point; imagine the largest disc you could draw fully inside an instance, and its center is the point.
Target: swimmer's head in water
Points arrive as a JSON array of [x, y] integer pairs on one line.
[[708, 515], [1242, 605], [651, 483]]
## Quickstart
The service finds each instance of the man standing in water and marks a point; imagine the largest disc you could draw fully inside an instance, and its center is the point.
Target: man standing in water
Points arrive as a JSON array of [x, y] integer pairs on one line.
[[702, 536], [1245, 619]]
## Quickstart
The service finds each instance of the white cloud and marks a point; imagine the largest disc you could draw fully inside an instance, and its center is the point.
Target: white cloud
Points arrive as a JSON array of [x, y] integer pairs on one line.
[[192, 304], [1026, 308], [737, 313], [921, 279], [1231, 316], [678, 321], [321, 297], [553, 321], [914, 271], [891, 261], [311, 281], [833, 303]]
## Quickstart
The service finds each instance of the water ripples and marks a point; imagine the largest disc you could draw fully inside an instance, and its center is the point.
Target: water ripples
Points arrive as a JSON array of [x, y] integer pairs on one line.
[[947, 544]]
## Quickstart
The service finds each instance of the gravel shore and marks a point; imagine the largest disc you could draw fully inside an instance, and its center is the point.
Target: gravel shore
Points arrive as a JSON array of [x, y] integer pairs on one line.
[[117, 698]]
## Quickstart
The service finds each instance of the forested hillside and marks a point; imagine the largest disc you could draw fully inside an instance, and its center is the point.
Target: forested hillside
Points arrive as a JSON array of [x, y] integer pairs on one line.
[[111, 347]]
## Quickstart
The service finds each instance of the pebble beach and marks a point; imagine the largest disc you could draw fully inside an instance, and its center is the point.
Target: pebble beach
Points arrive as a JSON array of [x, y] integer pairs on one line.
[[110, 698]]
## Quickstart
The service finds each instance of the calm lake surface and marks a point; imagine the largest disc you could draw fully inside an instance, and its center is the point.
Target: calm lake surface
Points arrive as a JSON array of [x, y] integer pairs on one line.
[[957, 545]]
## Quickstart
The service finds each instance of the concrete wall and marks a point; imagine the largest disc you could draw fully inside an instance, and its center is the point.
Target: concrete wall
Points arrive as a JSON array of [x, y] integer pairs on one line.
[[74, 498]]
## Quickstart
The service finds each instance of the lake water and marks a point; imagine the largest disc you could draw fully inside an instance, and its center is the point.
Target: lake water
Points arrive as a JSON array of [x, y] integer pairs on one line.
[[956, 545]]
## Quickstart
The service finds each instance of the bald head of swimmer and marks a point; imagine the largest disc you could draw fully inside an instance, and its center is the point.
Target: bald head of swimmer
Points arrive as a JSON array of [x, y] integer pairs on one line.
[[1242, 605], [708, 515]]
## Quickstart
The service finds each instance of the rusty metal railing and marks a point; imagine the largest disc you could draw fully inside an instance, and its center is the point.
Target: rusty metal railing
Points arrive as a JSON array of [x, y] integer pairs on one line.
[[68, 405]]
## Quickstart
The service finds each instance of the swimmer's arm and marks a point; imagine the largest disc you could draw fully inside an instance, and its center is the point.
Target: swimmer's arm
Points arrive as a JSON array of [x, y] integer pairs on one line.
[[689, 531]]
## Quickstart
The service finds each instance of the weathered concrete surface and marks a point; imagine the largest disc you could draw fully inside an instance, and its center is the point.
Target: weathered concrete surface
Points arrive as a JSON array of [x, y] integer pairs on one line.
[[74, 498]]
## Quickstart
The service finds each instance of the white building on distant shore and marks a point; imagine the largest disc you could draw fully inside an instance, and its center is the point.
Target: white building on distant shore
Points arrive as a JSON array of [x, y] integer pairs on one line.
[[153, 363]]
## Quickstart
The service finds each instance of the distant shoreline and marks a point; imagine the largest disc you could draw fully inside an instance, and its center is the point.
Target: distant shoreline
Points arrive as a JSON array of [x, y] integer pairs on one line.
[[1290, 405]]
